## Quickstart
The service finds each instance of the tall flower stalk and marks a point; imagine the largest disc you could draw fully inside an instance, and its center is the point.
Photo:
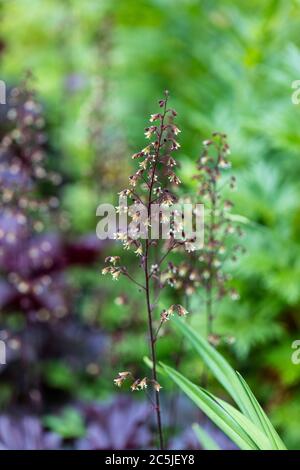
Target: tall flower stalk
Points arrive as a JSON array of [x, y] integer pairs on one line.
[[150, 184], [219, 225], [205, 272]]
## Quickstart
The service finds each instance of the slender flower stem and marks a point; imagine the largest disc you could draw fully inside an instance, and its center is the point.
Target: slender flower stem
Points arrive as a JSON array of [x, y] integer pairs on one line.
[[133, 280], [209, 313], [159, 263], [137, 197], [153, 183], [147, 283], [152, 349], [212, 222], [158, 330]]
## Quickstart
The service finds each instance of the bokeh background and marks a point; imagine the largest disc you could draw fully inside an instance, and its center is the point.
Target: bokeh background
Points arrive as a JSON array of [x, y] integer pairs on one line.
[[99, 67]]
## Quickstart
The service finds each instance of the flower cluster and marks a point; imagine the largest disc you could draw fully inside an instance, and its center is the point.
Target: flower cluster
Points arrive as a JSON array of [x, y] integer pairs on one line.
[[206, 269], [155, 172], [114, 270], [220, 243], [182, 276], [117, 271], [166, 314], [137, 384], [152, 183]]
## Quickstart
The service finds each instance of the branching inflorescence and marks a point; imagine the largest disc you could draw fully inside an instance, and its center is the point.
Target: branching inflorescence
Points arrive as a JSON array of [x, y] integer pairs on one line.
[[219, 225], [205, 271], [151, 184], [199, 271]]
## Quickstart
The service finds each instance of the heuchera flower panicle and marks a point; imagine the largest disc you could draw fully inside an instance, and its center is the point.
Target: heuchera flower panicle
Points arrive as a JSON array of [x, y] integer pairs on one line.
[[152, 183]]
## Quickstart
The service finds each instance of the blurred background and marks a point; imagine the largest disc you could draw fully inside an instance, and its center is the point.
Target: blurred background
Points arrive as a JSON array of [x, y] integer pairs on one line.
[[98, 68]]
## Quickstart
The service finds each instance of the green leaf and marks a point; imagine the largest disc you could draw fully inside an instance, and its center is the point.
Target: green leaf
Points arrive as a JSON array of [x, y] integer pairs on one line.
[[220, 368], [262, 441], [232, 382], [206, 441], [264, 420], [68, 425], [214, 410]]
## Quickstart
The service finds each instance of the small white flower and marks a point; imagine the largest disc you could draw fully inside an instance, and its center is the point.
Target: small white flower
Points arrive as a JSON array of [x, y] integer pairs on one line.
[[143, 383], [139, 251]]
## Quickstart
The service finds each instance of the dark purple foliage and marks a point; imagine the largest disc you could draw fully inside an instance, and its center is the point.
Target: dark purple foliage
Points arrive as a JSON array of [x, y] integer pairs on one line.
[[39, 344], [187, 440], [122, 424], [25, 433], [32, 256], [34, 266]]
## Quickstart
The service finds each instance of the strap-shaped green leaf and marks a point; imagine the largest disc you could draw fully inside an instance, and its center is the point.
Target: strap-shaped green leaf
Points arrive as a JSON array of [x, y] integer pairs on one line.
[[214, 410], [265, 422], [257, 435], [232, 382], [220, 368]]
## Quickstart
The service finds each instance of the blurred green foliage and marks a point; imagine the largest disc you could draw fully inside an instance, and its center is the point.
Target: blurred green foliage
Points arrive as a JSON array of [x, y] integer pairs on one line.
[[99, 67], [69, 425]]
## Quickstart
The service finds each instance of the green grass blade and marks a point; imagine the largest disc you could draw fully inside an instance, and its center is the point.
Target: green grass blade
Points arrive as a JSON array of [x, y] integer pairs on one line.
[[213, 410], [232, 382], [260, 438], [206, 441], [220, 368], [264, 420]]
